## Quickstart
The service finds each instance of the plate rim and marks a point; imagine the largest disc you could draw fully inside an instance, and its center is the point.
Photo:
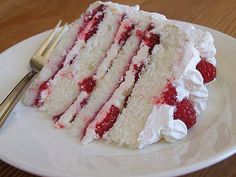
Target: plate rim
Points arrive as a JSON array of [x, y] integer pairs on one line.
[[178, 171]]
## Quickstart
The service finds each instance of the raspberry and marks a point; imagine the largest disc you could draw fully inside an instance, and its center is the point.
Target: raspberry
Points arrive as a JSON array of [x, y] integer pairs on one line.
[[92, 13], [83, 102], [137, 71], [151, 39], [185, 112], [126, 34], [96, 20], [139, 34], [91, 24], [44, 86], [88, 84], [56, 118], [108, 121], [170, 95], [207, 70]]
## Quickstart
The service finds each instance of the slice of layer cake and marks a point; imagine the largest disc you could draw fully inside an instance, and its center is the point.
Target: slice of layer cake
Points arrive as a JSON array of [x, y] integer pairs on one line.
[[127, 76]]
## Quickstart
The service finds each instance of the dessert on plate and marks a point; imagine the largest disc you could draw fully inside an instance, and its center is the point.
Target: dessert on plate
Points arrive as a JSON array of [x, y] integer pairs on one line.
[[127, 76]]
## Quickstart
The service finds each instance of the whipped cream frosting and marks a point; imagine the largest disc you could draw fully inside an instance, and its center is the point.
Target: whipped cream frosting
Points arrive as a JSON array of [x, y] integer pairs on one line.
[[202, 40], [161, 124], [204, 43], [190, 85]]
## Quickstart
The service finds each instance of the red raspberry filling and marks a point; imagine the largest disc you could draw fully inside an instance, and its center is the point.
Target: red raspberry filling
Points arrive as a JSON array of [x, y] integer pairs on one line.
[[169, 96], [108, 121], [92, 13], [91, 28], [139, 34], [73, 118], [45, 85], [126, 34], [94, 17], [56, 118], [151, 39], [137, 71], [84, 102], [42, 87], [88, 84], [150, 27]]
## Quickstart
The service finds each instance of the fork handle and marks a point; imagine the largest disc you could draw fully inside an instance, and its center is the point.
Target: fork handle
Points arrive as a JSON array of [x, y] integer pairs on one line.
[[10, 101]]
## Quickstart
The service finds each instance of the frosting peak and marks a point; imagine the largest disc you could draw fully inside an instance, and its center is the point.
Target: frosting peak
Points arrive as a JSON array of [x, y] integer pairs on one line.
[[161, 124]]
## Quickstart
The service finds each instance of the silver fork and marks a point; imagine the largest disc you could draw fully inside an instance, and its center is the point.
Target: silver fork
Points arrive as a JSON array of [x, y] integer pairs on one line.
[[36, 63]]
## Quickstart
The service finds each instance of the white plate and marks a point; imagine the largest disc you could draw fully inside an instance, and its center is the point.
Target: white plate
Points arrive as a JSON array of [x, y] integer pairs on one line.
[[29, 142]]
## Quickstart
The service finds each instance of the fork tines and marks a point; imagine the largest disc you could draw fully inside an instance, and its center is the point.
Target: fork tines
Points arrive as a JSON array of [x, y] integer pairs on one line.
[[49, 44]]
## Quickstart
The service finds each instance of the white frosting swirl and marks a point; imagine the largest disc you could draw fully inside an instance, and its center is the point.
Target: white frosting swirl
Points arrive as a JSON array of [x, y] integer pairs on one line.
[[202, 40], [199, 99], [161, 123], [190, 85]]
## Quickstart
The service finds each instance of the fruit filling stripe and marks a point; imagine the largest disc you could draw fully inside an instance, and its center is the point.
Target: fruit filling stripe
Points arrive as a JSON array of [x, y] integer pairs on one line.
[[150, 40], [110, 111], [88, 84], [91, 21]]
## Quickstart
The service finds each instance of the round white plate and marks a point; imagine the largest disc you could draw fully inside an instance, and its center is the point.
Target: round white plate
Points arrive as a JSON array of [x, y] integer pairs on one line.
[[29, 141]]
